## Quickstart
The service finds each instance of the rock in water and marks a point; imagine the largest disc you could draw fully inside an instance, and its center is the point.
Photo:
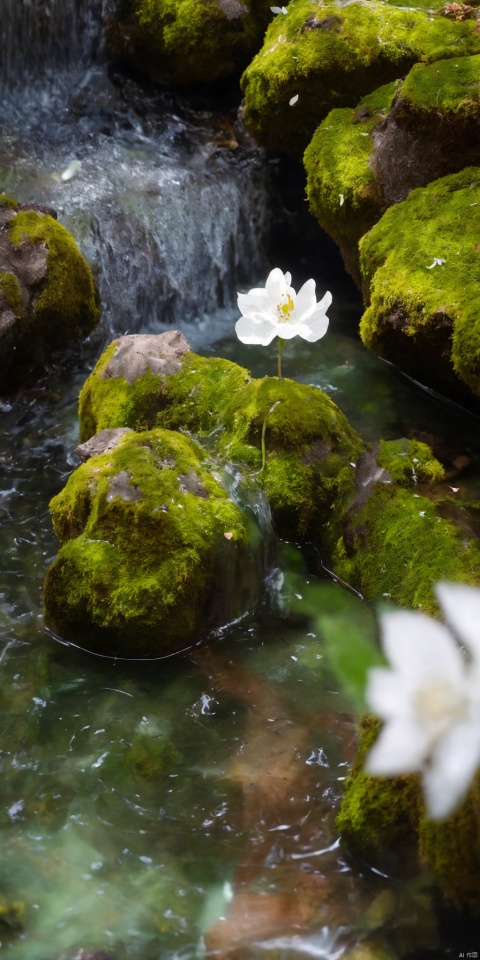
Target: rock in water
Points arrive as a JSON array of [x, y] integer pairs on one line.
[[48, 296]]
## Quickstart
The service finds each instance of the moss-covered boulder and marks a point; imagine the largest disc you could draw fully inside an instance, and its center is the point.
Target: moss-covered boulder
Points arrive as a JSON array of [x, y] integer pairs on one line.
[[187, 42], [301, 443], [392, 541], [421, 271], [48, 297], [153, 553], [381, 815], [321, 56], [308, 446], [402, 136], [148, 380]]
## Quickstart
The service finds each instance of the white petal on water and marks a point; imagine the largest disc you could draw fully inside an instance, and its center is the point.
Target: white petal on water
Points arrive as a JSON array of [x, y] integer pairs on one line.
[[71, 171]]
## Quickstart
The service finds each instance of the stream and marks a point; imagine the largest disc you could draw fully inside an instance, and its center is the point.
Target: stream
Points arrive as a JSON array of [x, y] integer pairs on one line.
[[147, 807]]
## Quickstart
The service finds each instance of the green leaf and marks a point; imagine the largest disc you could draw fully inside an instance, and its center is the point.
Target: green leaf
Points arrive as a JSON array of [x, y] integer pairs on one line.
[[348, 628]]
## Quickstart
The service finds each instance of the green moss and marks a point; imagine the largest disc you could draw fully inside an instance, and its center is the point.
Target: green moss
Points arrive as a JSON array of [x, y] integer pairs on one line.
[[329, 56], [342, 188], [447, 86], [186, 42], [8, 202], [308, 444], [192, 399], [141, 564], [377, 813], [421, 313], [409, 462], [452, 849], [152, 758], [67, 306], [13, 915], [10, 287], [380, 814], [397, 546]]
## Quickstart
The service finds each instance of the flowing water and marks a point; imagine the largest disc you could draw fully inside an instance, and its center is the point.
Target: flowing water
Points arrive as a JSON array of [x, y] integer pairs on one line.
[[147, 808]]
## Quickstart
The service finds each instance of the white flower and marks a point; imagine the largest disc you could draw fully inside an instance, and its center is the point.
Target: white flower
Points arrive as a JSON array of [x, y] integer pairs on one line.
[[430, 699], [437, 262], [276, 310]]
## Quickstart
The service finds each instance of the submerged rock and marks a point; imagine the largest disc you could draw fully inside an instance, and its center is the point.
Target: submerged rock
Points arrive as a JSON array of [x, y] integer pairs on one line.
[[48, 297], [402, 136], [327, 56], [184, 42], [145, 567], [424, 291]]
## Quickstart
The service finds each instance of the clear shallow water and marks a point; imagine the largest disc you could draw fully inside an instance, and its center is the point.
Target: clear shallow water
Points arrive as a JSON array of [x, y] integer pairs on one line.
[[136, 798]]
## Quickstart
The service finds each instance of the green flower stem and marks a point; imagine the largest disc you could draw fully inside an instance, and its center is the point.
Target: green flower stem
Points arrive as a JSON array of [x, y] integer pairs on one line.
[[281, 344]]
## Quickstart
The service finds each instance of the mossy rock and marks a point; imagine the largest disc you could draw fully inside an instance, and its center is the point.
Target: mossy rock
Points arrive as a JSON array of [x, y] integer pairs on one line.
[[329, 56], [394, 542], [421, 270], [145, 568], [381, 815], [452, 849], [143, 381], [48, 297], [342, 188], [310, 450], [402, 136], [185, 42], [377, 813], [309, 444]]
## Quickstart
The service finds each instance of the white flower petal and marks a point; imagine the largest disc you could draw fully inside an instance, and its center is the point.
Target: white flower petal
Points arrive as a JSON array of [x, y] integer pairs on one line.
[[461, 606], [293, 100], [252, 302], [388, 693], [314, 329], [252, 330], [277, 287], [400, 748], [454, 763], [305, 300], [416, 645]]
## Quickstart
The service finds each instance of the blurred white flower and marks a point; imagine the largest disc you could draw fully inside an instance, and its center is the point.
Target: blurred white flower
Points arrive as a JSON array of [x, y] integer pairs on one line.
[[277, 311], [437, 262], [430, 698], [278, 9]]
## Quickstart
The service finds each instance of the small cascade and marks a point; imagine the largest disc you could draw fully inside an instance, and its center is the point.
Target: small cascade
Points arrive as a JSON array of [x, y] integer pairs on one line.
[[40, 38]]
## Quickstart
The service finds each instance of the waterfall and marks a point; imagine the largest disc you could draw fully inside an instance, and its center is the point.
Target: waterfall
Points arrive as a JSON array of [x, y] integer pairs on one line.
[[171, 213], [39, 38]]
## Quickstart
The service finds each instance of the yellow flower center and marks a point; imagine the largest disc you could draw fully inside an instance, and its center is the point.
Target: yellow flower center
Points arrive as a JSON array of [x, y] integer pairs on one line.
[[284, 309]]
